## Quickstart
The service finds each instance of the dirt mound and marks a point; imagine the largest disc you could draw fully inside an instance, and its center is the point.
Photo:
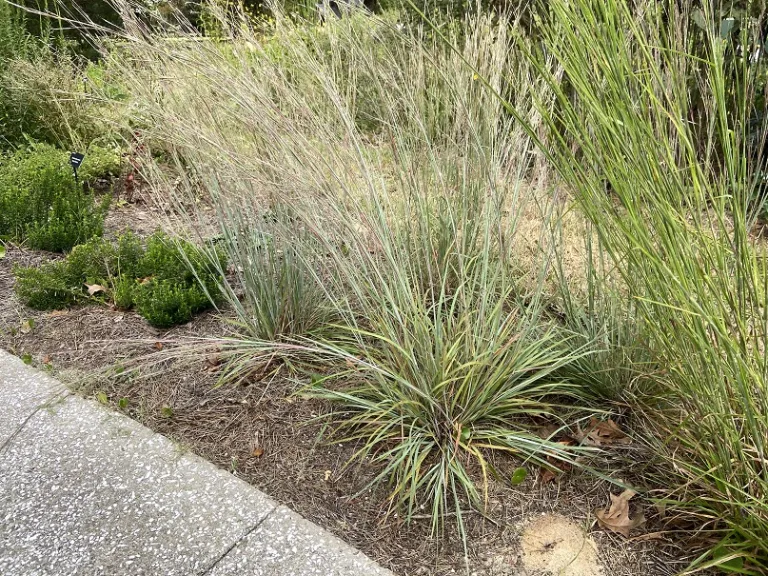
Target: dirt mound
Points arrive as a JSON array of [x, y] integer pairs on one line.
[[552, 544]]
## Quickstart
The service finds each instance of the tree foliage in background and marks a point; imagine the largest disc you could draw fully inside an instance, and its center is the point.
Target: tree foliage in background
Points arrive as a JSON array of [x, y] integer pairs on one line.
[[15, 42]]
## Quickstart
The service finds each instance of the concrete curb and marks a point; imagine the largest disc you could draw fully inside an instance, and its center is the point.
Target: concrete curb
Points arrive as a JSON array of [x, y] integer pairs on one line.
[[86, 491]]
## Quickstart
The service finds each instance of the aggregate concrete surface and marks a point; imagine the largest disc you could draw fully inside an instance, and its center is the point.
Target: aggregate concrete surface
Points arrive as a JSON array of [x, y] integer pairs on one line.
[[86, 491]]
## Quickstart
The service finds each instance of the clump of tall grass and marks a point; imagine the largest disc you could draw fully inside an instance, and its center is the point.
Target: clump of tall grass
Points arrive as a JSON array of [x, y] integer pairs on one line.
[[668, 187], [394, 263], [601, 316]]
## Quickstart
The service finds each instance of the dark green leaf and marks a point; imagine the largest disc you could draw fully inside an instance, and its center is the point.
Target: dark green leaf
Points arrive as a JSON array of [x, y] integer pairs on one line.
[[518, 476]]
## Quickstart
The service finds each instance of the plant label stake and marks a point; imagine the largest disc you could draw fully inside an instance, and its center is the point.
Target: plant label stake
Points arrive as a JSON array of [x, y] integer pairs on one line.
[[75, 159]]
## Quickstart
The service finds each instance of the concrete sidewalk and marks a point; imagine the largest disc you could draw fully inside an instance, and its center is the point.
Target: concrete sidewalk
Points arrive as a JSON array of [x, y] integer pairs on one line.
[[86, 491]]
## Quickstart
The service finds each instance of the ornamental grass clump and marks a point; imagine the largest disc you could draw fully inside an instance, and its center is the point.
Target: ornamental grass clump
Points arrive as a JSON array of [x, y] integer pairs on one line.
[[370, 243], [651, 129]]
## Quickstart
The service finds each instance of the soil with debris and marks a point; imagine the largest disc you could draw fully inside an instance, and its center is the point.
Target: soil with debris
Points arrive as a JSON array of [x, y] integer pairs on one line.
[[269, 437]]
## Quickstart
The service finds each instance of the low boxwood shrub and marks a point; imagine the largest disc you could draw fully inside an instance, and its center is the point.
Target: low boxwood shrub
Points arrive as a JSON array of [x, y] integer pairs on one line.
[[166, 281], [98, 260], [46, 287], [42, 205], [165, 303]]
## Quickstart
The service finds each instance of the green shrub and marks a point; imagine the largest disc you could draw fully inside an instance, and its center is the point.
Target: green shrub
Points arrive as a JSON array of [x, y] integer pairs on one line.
[[131, 255], [167, 282], [98, 260], [41, 203], [179, 281], [165, 303], [48, 287], [165, 262], [61, 284], [181, 261], [100, 162]]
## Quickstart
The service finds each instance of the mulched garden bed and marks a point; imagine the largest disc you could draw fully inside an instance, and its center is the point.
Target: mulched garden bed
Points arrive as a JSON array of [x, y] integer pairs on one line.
[[272, 439]]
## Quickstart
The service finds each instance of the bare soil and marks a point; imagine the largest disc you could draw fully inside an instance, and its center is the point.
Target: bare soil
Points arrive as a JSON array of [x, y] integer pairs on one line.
[[271, 438]]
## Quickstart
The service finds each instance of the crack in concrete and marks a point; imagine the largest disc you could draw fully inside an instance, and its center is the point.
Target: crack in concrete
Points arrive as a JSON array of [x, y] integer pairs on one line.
[[47, 404], [236, 542]]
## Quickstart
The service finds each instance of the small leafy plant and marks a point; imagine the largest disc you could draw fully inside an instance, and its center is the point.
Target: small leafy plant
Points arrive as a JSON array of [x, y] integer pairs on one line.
[[165, 303], [41, 204], [166, 282]]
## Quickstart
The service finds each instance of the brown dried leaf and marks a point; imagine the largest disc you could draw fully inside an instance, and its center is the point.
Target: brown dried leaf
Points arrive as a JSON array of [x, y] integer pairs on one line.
[[602, 433], [616, 518], [94, 289], [556, 467], [159, 345], [547, 431], [546, 476]]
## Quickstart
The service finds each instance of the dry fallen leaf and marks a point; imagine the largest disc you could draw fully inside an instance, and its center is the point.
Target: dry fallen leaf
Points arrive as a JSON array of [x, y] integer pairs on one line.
[[546, 476], [602, 433], [212, 362], [547, 431], [556, 467], [159, 345], [94, 289], [616, 518]]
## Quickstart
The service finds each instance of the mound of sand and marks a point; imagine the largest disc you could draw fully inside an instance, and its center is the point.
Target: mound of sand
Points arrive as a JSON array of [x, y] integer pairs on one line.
[[555, 545]]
